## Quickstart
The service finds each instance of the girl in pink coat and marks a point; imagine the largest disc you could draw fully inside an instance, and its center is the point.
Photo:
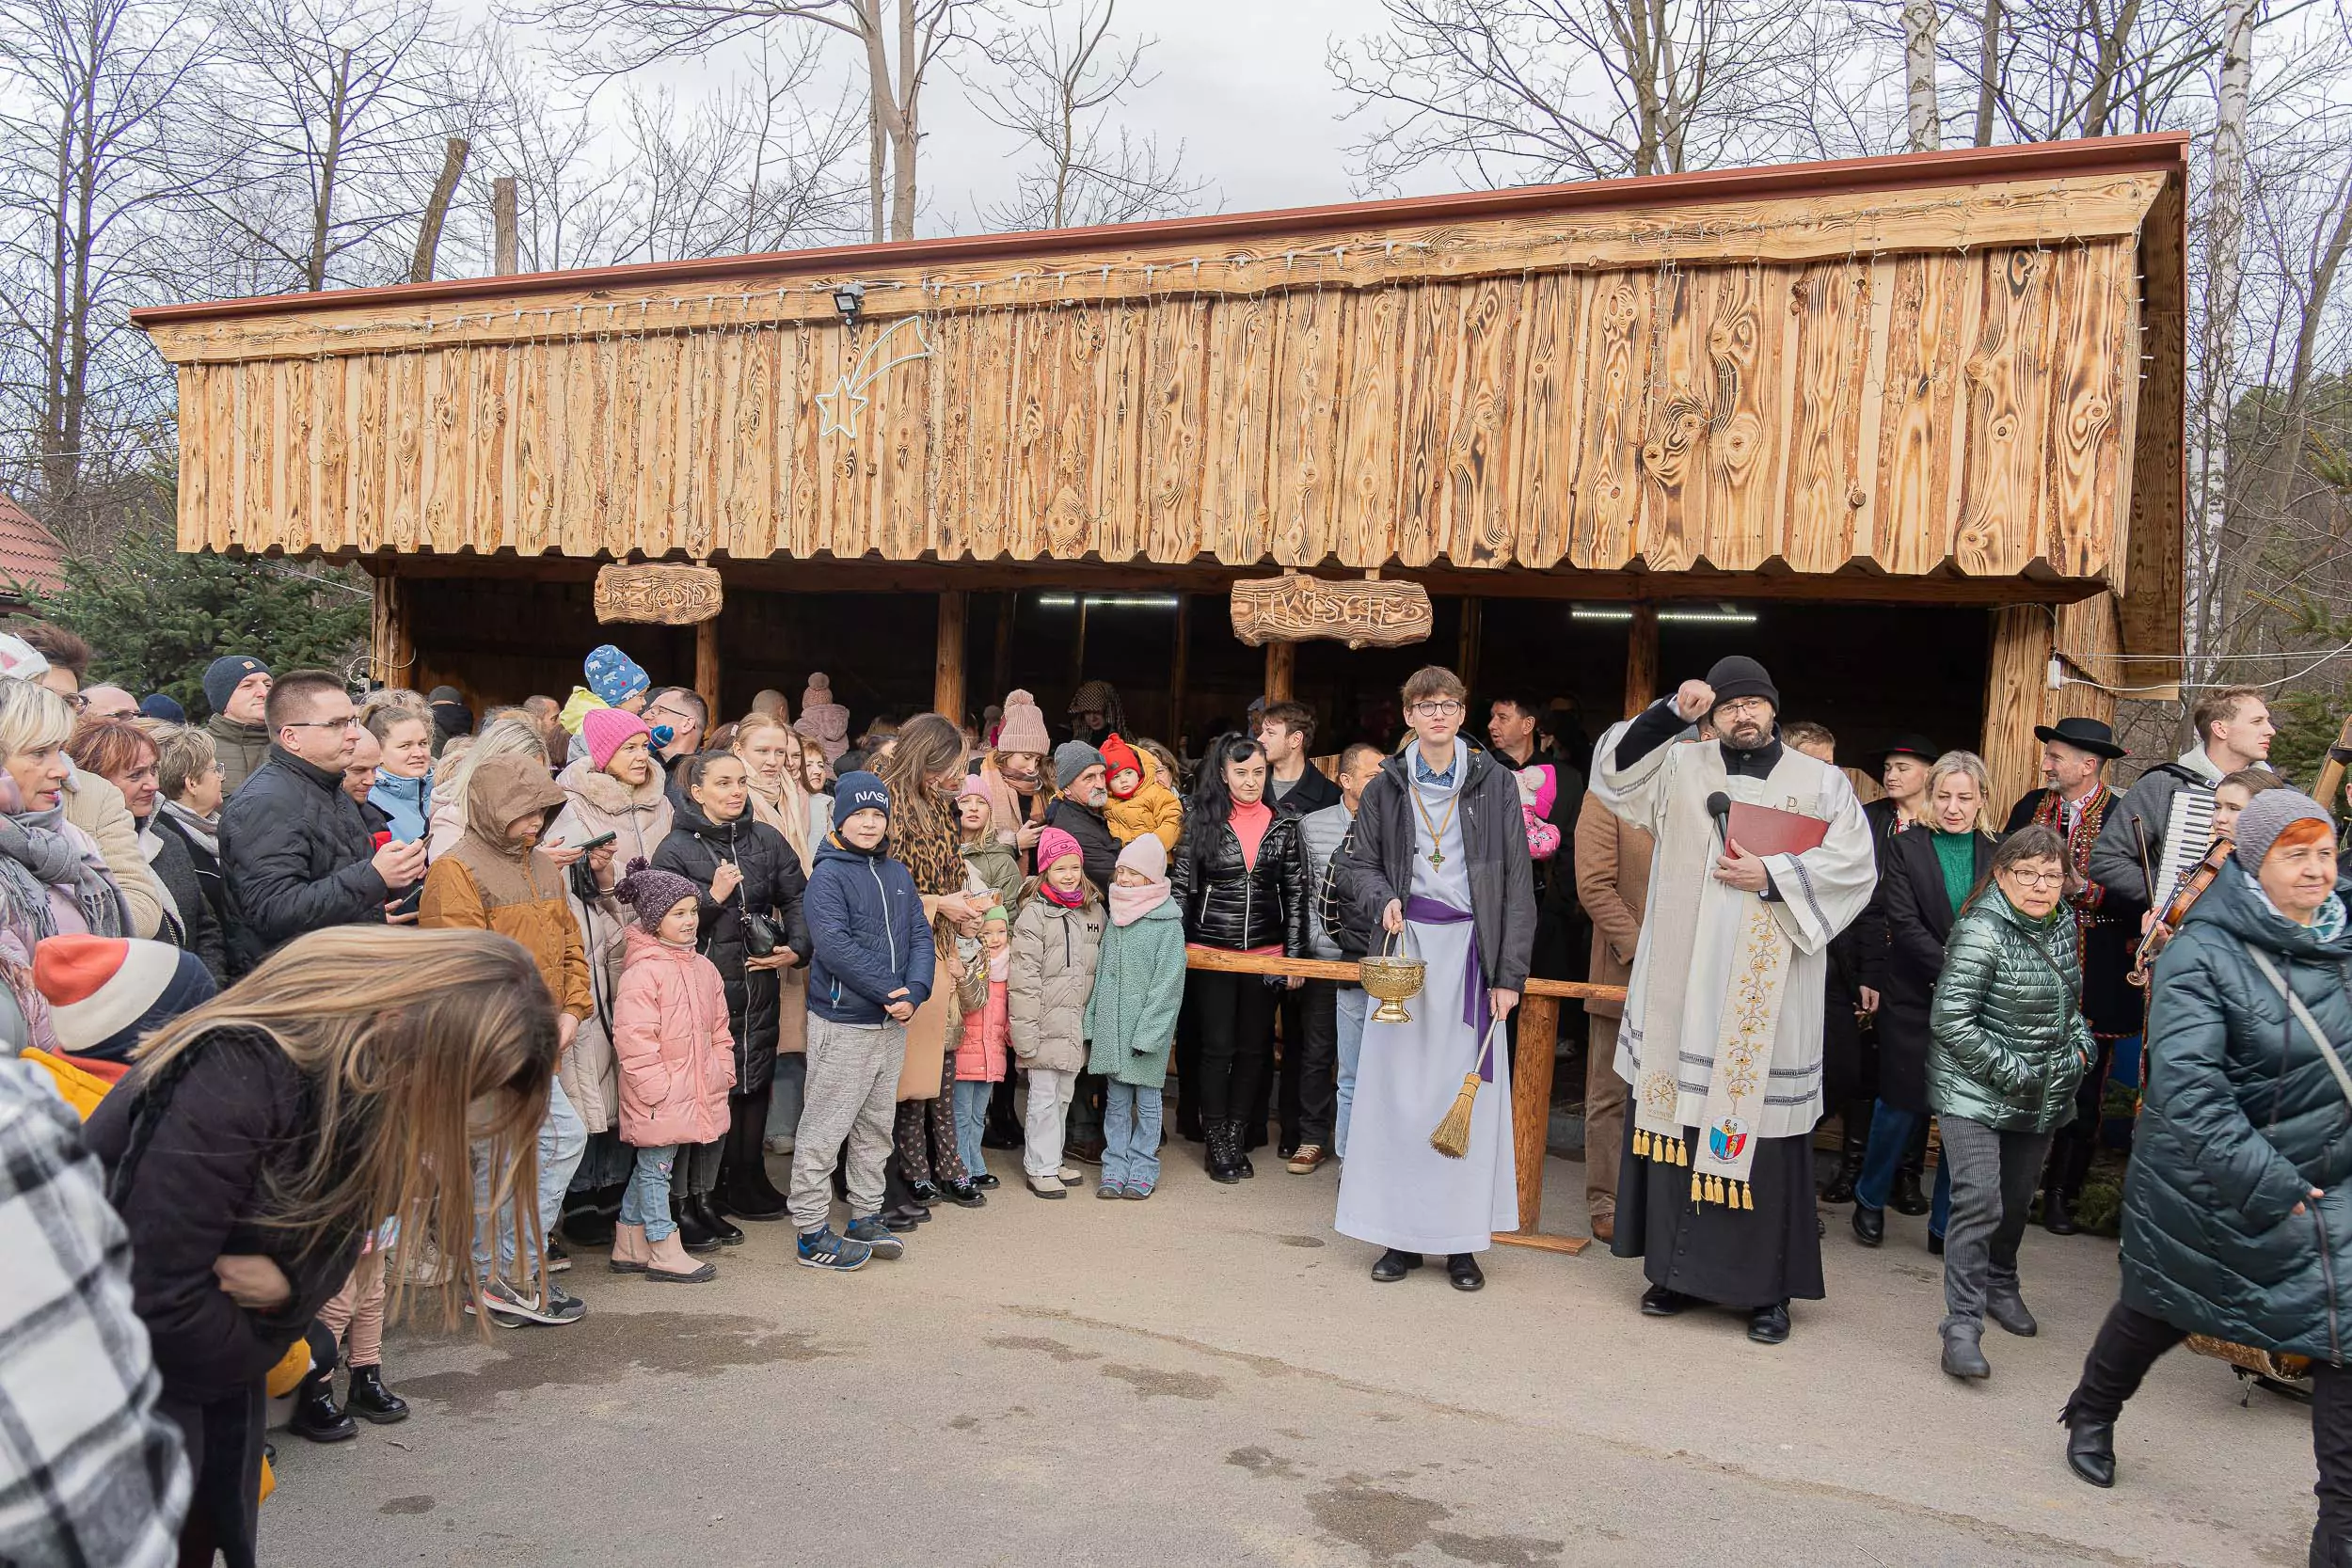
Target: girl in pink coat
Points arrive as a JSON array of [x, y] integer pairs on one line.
[[676, 1061], [986, 1048]]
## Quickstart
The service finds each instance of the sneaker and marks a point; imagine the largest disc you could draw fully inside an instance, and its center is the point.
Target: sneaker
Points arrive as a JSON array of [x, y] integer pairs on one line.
[[558, 1259], [822, 1249], [1045, 1186], [1072, 1177], [423, 1262], [1113, 1190], [877, 1238], [510, 1309]]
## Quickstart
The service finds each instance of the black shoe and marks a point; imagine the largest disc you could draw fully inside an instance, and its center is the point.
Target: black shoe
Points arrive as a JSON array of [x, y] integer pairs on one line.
[[706, 1209], [588, 1226], [964, 1195], [1768, 1325], [2090, 1449], [1660, 1302], [1908, 1198], [925, 1194], [370, 1401], [2009, 1310], [1841, 1188], [742, 1194], [1963, 1356], [2325, 1553], [1936, 1243], [1394, 1265], [1086, 1151], [1241, 1152], [1870, 1225], [900, 1218], [986, 1182], [315, 1416], [2057, 1213], [693, 1233], [1223, 1156], [999, 1137], [1462, 1268]]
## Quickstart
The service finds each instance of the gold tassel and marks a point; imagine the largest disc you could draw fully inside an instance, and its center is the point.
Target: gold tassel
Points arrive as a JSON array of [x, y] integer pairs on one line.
[[1452, 1136], [1682, 1153], [1746, 1200], [1641, 1144], [1699, 1192], [1715, 1189]]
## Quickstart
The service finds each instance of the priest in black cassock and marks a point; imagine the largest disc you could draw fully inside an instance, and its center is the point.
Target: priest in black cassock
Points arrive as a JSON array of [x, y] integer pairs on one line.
[[1721, 1041]]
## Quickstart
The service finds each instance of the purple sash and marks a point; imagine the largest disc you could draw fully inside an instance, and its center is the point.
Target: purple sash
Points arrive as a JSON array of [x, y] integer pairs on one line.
[[1476, 1011]]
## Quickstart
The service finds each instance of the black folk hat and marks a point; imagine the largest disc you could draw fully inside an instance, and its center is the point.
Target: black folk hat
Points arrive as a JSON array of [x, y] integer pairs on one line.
[[1911, 744], [2084, 735]]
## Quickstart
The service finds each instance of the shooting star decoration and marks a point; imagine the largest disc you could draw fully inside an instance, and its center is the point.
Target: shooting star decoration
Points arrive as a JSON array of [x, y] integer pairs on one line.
[[839, 406]]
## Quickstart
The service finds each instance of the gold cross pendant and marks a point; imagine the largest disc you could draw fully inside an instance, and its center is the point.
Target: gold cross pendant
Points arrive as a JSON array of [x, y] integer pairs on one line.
[[1436, 858]]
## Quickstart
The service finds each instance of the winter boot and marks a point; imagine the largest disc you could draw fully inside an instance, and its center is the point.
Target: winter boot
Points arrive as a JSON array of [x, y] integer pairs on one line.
[[315, 1415], [370, 1401], [706, 1211], [628, 1250], [1224, 1156], [744, 1190], [667, 1264], [1963, 1357], [693, 1233]]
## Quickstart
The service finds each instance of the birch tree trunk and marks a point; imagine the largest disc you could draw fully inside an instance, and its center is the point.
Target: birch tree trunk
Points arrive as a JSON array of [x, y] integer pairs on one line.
[[2224, 267], [1927, 131]]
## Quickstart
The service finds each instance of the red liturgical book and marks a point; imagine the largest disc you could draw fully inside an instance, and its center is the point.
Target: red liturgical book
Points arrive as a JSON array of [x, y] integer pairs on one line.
[[1762, 831]]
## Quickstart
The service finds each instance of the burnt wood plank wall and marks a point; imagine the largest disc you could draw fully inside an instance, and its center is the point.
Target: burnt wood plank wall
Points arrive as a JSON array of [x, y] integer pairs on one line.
[[1948, 377]]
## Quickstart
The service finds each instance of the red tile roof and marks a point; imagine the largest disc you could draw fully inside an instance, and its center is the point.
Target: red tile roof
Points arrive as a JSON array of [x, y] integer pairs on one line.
[[29, 553]]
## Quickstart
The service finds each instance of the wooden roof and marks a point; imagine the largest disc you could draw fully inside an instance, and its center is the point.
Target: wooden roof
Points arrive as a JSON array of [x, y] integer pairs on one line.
[[1962, 364]]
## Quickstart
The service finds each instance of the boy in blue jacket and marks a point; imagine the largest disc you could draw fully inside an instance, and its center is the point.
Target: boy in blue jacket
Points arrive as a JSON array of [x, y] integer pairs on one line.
[[869, 968]]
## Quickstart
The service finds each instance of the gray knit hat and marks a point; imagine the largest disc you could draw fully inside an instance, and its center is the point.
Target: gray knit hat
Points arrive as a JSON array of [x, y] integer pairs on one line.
[[652, 892], [2267, 815], [1071, 758]]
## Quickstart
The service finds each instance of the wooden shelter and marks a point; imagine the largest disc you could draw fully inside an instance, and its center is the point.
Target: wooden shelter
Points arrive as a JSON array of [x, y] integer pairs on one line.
[[1941, 392]]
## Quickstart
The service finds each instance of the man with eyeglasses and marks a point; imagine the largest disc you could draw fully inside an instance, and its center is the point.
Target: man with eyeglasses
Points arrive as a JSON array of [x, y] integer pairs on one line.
[[680, 711], [1722, 1036], [295, 852]]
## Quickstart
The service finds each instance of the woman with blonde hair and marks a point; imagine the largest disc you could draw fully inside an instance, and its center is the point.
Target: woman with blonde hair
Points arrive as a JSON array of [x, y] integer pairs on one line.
[[52, 878], [1924, 878], [261, 1138], [774, 767]]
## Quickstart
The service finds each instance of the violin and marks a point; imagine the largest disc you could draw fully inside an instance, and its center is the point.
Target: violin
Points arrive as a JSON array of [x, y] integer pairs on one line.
[[2167, 922]]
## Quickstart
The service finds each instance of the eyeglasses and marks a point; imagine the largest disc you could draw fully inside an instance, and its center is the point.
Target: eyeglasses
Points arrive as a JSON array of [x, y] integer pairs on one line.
[[2039, 879], [77, 701], [348, 721], [1744, 707], [1443, 707]]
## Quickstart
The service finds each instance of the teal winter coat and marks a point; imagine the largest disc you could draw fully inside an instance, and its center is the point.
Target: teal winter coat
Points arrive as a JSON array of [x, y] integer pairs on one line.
[[2008, 1041], [1138, 987], [2242, 1120]]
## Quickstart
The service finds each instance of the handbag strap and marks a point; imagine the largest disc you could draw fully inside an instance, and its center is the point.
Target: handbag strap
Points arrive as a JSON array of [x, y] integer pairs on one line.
[[2303, 1015]]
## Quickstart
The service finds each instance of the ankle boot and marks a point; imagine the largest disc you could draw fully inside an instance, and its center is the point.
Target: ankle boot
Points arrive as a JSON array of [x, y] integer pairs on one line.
[[706, 1211], [693, 1233], [744, 1190], [2057, 1213], [315, 1414], [370, 1401], [1224, 1150], [628, 1250], [667, 1264], [1908, 1198], [1963, 1356], [2089, 1448], [1238, 1133]]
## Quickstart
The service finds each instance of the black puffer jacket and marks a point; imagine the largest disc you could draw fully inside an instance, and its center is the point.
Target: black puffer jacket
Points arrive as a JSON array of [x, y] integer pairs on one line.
[[2243, 1117], [1230, 904], [772, 885], [198, 930], [1379, 865], [294, 851]]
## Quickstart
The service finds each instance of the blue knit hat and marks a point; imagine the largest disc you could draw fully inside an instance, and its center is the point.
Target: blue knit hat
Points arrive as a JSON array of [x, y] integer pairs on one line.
[[857, 791], [226, 674], [157, 705], [616, 678]]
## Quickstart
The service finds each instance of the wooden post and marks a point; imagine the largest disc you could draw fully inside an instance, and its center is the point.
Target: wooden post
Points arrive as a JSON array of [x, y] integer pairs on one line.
[[1281, 663], [504, 230], [1473, 633], [1000, 670], [947, 665], [1078, 648], [391, 650], [1640, 658], [1180, 656], [2016, 695], [707, 669], [1531, 1125]]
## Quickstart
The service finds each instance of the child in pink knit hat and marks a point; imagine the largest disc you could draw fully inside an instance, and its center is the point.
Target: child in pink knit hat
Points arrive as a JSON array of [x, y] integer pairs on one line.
[[1054, 940]]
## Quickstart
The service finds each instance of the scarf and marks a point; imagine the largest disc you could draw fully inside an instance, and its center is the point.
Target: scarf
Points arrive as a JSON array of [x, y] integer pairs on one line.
[[1131, 903], [36, 854], [151, 845], [205, 831], [1072, 899]]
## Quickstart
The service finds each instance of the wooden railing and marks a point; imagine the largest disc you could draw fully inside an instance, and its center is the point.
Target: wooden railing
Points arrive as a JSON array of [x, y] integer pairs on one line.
[[1531, 1093]]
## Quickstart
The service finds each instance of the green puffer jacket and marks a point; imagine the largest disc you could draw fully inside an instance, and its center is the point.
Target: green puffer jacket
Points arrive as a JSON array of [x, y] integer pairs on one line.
[[2009, 1043], [2242, 1120]]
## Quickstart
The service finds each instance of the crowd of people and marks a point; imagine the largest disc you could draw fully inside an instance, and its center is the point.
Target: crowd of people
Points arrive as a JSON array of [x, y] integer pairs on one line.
[[382, 1004]]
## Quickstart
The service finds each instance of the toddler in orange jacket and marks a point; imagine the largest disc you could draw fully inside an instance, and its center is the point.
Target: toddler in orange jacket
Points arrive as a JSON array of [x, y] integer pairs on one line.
[[1139, 802]]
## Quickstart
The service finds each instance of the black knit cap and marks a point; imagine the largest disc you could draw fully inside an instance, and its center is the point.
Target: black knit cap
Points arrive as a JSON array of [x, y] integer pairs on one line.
[[1737, 675]]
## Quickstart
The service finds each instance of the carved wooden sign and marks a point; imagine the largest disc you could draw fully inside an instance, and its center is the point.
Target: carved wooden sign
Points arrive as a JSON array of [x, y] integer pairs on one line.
[[659, 596], [1299, 609]]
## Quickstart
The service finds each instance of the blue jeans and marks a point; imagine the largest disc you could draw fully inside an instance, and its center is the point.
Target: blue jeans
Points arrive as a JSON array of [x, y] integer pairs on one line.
[[1131, 1136], [562, 1138], [1890, 1130], [646, 1201], [971, 1095], [1353, 1003]]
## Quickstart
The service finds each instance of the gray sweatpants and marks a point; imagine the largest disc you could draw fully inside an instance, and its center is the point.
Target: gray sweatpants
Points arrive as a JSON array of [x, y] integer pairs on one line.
[[852, 1093], [1993, 1176]]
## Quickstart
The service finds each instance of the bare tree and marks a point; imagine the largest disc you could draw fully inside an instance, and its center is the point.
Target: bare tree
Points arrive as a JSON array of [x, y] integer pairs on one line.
[[2209, 441], [1922, 114], [90, 92], [1503, 92], [1063, 76], [897, 42]]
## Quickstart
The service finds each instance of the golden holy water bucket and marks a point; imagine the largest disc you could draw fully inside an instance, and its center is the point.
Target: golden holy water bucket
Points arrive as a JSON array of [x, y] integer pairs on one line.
[[1392, 978]]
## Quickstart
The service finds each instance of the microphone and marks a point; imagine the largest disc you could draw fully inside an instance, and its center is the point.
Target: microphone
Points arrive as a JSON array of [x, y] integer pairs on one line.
[[1719, 807]]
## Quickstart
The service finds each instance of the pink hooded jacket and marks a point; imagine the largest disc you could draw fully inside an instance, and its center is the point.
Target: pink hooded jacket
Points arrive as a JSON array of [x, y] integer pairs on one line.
[[670, 1032], [982, 1054]]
